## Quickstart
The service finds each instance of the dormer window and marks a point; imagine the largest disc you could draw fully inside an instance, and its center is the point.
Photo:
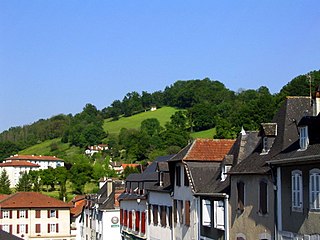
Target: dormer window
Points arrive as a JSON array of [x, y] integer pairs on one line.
[[265, 145], [224, 170], [304, 139]]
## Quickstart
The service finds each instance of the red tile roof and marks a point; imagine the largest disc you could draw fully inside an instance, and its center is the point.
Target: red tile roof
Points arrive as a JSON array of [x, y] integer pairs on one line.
[[32, 200], [3, 196], [78, 203], [124, 165], [33, 157], [18, 164], [209, 149]]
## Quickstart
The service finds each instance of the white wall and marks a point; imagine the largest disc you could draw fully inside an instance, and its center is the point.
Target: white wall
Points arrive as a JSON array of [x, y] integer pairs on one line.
[[111, 230]]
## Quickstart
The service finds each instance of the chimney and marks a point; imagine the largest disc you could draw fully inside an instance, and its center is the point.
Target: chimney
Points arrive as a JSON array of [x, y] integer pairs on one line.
[[109, 186], [316, 104]]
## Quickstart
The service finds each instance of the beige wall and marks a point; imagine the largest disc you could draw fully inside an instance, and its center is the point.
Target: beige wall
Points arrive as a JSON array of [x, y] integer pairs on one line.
[[250, 224]]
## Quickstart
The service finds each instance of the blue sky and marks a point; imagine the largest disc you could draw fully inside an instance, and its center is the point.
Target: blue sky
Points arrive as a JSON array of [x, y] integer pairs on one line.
[[57, 55]]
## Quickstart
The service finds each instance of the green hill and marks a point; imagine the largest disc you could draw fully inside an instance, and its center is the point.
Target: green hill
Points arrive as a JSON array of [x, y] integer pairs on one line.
[[162, 114]]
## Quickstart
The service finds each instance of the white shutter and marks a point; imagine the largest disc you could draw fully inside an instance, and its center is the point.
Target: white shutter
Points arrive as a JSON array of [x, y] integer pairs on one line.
[[206, 213], [219, 215]]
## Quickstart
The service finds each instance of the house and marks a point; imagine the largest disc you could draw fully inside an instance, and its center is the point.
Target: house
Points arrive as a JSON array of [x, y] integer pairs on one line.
[[32, 215], [133, 203], [96, 149], [101, 214], [44, 162], [78, 203], [15, 168], [160, 201], [192, 171], [252, 183], [297, 171], [119, 167]]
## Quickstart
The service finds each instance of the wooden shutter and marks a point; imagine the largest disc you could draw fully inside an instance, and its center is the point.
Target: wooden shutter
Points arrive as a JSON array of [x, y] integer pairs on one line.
[[219, 214], [18, 214], [10, 213], [48, 227], [263, 208], [240, 189], [206, 213], [57, 227], [170, 217], [18, 228], [175, 210], [121, 217], [38, 213], [143, 222], [186, 179], [27, 213], [57, 213], [130, 219], [10, 228], [137, 222], [48, 213], [1, 214], [163, 216], [155, 214], [149, 214], [181, 211], [187, 213], [26, 228], [125, 223], [38, 228]]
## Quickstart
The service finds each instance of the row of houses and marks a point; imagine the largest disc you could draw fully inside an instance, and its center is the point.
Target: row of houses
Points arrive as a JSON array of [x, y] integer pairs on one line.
[[263, 185]]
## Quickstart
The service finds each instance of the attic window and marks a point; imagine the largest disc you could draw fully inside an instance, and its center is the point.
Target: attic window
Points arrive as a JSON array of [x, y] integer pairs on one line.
[[304, 139], [265, 145]]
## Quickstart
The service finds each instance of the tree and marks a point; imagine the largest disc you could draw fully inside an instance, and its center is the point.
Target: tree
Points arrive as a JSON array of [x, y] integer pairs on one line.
[[128, 170], [48, 178], [4, 183], [80, 174], [25, 183], [8, 148], [61, 174]]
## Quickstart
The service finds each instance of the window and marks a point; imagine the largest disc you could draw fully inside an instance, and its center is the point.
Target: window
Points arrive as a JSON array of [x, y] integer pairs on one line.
[[187, 213], [38, 213], [240, 195], [265, 147], [175, 211], [178, 175], [263, 197], [5, 227], [170, 216], [304, 140], [38, 228], [163, 216], [52, 213], [53, 228], [186, 179], [5, 214], [180, 211], [296, 186], [206, 212], [21, 213], [314, 189], [22, 228]]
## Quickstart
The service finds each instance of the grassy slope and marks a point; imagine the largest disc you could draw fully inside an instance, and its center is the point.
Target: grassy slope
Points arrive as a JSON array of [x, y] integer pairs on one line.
[[162, 114], [204, 134]]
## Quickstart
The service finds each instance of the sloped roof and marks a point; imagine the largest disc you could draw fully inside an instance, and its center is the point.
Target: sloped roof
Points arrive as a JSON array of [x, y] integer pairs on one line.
[[18, 164], [33, 157], [32, 200], [8, 236], [287, 118], [205, 150]]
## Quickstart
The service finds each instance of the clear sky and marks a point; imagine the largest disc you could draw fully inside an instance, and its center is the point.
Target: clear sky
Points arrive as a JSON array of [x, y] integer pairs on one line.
[[58, 55]]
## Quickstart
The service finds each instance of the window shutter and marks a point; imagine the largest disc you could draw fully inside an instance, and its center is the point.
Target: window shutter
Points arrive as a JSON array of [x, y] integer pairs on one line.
[[0, 214], [27, 213], [149, 214], [18, 228], [48, 228], [48, 213], [38, 214], [26, 228], [130, 219], [155, 214], [57, 213], [187, 212], [137, 221], [186, 179], [121, 217], [206, 213], [175, 210], [10, 213], [178, 175], [170, 217], [163, 216], [125, 223], [1, 227], [143, 222], [38, 228], [10, 228], [18, 215], [57, 227], [219, 215]]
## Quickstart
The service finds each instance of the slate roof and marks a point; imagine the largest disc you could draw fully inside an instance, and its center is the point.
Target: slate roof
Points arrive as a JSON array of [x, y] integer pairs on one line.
[[287, 118], [33, 157], [7, 236], [204, 150], [32, 200]]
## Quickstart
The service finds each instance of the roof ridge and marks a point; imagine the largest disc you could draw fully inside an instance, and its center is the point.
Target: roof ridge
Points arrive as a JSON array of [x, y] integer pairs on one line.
[[190, 148]]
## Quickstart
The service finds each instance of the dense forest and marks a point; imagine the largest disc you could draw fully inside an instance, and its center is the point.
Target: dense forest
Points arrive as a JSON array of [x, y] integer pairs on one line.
[[203, 104]]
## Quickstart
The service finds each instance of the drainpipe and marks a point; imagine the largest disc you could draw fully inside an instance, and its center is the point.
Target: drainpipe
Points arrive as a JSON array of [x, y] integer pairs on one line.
[[226, 217], [279, 207]]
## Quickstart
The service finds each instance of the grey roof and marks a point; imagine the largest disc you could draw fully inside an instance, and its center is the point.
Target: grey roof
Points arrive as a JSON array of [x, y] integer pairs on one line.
[[287, 118], [8, 236]]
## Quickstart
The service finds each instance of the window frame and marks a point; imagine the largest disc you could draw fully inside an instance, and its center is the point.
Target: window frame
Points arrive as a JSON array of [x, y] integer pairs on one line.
[[206, 213], [240, 195], [303, 137], [297, 190], [178, 175], [263, 200], [314, 201], [5, 214]]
